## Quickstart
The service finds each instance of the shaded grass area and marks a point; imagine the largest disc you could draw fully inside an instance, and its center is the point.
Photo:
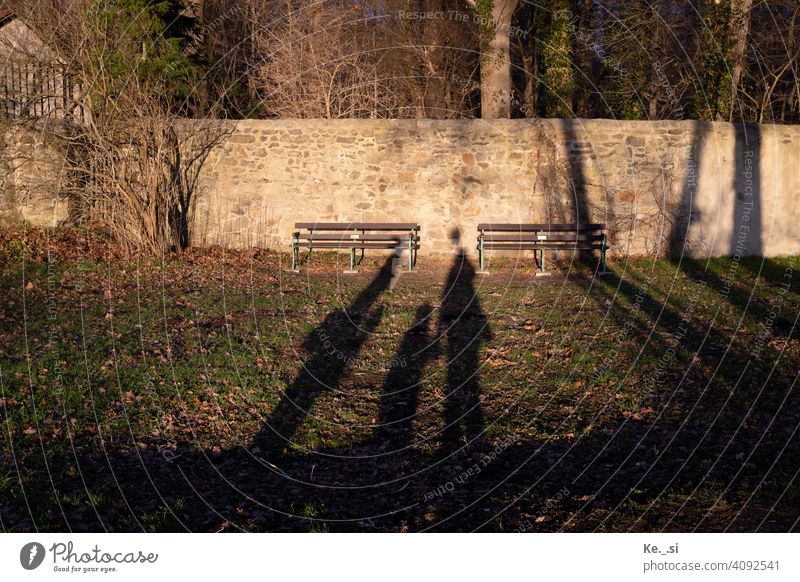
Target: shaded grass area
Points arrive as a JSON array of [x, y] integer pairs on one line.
[[214, 391]]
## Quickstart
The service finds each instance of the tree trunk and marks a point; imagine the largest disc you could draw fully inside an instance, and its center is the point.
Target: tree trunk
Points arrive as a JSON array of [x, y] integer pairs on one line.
[[740, 28], [496, 60], [581, 57], [529, 96], [434, 103]]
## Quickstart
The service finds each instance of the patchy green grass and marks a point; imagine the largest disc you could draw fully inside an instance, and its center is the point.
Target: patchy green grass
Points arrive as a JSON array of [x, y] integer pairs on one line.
[[160, 395]]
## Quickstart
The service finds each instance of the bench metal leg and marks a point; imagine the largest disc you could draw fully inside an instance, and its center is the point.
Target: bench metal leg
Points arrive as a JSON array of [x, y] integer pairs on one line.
[[295, 255], [542, 268], [481, 253], [603, 258], [352, 260], [410, 254]]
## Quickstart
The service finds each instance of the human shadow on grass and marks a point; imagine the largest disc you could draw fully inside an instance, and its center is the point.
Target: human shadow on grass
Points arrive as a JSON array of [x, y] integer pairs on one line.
[[580, 482], [465, 327], [400, 390], [332, 347]]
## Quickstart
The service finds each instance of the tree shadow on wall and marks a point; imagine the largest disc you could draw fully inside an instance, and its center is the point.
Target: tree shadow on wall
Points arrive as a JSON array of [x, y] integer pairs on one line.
[[686, 211], [744, 193], [575, 150], [191, 153], [745, 243], [739, 395], [746, 233]]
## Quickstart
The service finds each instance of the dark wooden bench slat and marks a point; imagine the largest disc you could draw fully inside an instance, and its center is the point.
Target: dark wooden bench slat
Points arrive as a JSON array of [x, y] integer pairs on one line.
[[356, 235], [544, 238], [303, 236], [508, 227], [339, 226], [537, 246], [353, 245]]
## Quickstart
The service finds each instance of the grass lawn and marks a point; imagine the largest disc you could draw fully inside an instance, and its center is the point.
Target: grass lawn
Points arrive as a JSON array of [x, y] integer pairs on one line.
[[214, 391]]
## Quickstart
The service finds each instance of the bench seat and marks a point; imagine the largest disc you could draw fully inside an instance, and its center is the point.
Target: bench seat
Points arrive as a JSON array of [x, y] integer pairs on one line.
[[356, 236], [542, 237]]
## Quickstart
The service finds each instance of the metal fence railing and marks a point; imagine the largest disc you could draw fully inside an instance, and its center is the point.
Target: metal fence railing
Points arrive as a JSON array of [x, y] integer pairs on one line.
[[39, 90]]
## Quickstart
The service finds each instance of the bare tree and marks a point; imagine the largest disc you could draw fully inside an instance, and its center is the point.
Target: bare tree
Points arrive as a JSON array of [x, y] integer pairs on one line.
[[371, 60], [769, 90], [132, 165], [140, 176], [312, 64]]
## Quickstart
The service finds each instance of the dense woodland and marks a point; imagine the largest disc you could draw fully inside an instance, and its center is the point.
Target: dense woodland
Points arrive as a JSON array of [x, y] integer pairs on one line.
[[726, 60]]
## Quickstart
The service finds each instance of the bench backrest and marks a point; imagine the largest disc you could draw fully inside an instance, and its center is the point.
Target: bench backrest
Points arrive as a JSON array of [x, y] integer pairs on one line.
[[510, 227], [374, 226]]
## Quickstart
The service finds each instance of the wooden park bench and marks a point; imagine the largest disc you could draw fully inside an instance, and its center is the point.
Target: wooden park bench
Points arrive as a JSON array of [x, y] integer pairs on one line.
[[355, 235], [542, 237]]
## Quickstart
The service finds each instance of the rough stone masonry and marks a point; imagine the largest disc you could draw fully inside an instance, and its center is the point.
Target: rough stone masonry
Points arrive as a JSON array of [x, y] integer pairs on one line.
[[698, 188]]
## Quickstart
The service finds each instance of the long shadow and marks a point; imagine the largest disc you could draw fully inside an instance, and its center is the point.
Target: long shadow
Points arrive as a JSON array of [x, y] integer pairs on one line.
[[332, 347], [465, 326], [686, 211], [711, 414], [745, 240], [574, 149], [721, 369], [746, 243], [746, 231], [400, 391], [697, 438], [743, 297]]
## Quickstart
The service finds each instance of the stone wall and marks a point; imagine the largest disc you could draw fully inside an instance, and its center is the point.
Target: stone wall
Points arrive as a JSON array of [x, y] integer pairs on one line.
[[674, 186], [694, 187], [32, 176]]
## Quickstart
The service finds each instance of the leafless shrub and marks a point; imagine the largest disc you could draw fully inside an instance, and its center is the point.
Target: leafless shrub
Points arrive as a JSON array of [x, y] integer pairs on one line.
[[657, 213], [379, 60], [140, 180], [132, 163], [316, 70]]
